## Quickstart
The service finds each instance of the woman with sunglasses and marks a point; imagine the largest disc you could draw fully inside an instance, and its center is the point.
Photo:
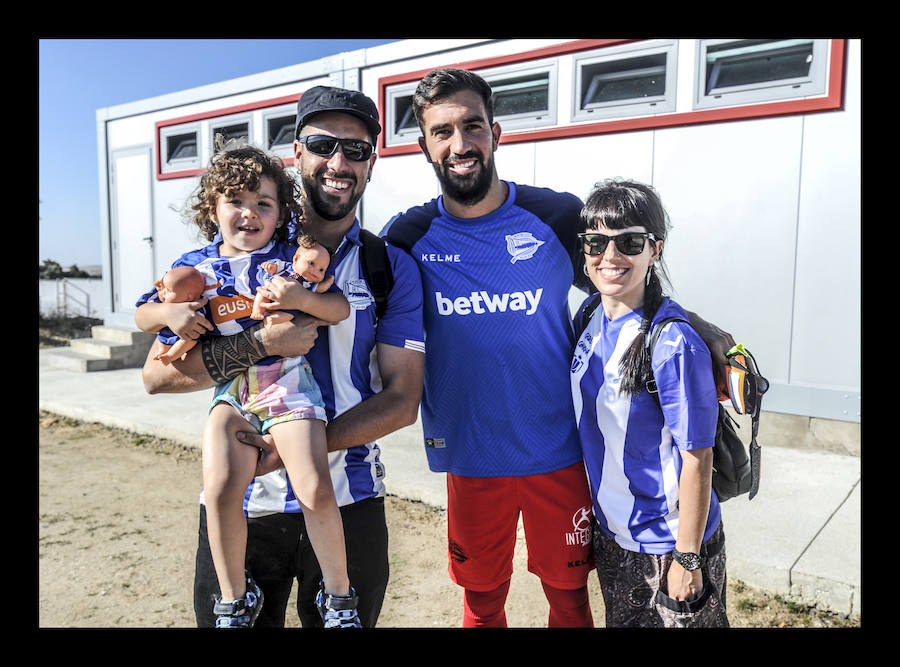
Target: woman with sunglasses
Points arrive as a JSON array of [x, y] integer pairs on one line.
[[658, 539]]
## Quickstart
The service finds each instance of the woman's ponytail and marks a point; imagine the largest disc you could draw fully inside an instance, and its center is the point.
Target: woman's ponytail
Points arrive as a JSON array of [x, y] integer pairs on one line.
[[635, 364]]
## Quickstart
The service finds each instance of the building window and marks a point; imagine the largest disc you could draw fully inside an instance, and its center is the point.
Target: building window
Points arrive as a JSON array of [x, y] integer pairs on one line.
[[735, 72], [632, 80], [279, 130], [524, 97], [401, 126], [180, 149], [230, 128], [181, 146]]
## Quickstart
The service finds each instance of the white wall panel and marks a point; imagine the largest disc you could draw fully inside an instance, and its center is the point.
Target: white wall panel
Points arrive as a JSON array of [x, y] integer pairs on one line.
[[128, 132], [574, 165], [398, 182], [731, 192], [827, 337], [173, 235], [516, 162]]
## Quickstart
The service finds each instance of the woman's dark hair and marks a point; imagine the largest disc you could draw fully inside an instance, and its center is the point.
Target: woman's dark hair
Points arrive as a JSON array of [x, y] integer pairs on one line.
[[236, 166], [617, 204]]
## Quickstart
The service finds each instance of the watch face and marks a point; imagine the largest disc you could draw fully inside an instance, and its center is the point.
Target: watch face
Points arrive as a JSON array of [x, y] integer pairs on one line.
[[687, 561]]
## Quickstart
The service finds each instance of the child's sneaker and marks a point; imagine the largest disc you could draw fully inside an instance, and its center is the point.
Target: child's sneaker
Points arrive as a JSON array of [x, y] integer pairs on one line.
[[338, 611], [240, 613]]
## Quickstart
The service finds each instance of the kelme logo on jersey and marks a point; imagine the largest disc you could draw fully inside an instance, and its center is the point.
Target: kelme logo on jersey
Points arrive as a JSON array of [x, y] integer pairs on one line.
[[522, 246], [227, 308], [480, 303]]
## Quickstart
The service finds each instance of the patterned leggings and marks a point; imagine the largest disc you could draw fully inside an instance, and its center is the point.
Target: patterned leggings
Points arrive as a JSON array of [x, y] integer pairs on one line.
[[632, 584]]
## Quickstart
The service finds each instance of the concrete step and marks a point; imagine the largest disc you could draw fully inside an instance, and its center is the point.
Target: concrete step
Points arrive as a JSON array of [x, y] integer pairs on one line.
[[66, 357], [109, 348], [100, 348], [122, 335]]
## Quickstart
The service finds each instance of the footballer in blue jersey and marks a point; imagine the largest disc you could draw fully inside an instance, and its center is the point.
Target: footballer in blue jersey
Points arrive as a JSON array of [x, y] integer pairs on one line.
[[496, 398], [497, 261]]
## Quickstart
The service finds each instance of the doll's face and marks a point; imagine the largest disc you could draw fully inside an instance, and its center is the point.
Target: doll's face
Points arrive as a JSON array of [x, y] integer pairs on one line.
[[180, 285], [310, 263]]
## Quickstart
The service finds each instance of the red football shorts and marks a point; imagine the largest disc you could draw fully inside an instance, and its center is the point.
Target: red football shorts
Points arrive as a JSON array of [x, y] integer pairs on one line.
[[483, 515]]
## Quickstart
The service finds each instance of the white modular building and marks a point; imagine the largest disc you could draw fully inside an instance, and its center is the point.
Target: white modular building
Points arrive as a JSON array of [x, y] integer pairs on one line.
[[753, 144]]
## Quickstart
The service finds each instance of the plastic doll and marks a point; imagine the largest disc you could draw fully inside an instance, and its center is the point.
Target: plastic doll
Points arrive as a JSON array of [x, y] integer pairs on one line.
[[307, 266], [179, 285]]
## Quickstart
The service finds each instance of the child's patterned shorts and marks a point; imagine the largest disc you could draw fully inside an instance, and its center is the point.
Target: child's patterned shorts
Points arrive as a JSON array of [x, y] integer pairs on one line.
[[278, 392]]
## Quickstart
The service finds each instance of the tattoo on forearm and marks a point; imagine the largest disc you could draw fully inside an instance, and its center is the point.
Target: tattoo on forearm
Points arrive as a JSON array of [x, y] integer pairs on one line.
[[226, 356]]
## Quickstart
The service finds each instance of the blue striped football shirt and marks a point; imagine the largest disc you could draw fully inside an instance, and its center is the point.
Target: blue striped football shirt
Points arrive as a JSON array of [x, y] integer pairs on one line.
[[231, 284], [632, 445]]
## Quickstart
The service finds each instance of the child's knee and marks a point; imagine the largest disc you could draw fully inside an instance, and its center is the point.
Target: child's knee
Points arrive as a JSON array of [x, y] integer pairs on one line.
[[223, 485], [228, 465], [314, 492]]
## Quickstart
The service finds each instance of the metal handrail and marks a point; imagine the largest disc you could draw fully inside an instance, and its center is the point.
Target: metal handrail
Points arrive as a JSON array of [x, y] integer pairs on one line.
[[65, 285]]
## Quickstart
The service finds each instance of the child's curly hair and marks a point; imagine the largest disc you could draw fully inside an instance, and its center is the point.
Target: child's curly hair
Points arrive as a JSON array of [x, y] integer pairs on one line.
[[236, 166]]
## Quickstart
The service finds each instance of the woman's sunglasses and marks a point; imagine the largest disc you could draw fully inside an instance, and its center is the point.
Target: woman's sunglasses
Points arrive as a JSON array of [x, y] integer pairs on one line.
[[629, 243], [325, 146]]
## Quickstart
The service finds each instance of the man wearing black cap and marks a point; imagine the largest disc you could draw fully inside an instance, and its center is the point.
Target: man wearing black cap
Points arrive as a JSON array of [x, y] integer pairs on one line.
[[324, 115], [334, 155]]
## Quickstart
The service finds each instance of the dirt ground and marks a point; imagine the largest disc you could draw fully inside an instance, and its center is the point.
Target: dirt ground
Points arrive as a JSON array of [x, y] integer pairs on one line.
[[117, 520]]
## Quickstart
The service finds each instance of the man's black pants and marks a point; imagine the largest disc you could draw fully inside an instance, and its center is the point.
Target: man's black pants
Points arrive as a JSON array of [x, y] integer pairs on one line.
[[278, 551]]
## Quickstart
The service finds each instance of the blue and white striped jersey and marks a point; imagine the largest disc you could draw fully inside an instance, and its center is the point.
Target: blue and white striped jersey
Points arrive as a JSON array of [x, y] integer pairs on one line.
[[231, 284], [632, 445], [497, 398], [345, 366]]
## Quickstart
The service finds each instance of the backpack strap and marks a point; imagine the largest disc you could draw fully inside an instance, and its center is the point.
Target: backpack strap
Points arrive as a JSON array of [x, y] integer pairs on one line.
[[376, 268], [654, 336], [726, 424], [584, 313]]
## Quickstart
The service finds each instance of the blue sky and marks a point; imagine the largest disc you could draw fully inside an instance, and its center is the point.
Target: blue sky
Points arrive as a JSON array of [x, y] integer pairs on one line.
[[79, 76]]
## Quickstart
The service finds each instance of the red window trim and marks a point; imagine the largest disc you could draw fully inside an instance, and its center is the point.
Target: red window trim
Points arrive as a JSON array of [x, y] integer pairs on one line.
[[833, 100], [228, 111]]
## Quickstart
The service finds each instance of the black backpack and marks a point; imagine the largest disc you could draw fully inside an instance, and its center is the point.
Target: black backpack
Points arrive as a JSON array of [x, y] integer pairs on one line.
[[733, 475], [376, 268]]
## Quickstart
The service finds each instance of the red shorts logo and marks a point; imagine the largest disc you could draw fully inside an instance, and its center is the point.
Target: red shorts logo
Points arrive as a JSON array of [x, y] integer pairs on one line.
[[581, 522]]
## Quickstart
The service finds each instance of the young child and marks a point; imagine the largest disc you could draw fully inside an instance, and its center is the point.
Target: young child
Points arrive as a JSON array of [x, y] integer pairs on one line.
[[242, 205]]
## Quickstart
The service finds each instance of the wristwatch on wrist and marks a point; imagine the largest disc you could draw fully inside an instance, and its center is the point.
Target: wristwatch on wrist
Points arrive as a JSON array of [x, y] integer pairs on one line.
[[687, 561]]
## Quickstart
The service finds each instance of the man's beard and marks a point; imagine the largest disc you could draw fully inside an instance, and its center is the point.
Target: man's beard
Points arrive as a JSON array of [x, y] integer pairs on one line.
[[325, 209], [471, 188]]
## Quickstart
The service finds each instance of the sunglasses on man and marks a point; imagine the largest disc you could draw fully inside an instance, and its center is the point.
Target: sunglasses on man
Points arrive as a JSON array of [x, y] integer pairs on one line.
[[629, 243], [325, 146]]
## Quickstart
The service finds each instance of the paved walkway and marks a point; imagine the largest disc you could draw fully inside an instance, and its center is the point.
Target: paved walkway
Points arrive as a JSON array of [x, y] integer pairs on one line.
[[801, 536]]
